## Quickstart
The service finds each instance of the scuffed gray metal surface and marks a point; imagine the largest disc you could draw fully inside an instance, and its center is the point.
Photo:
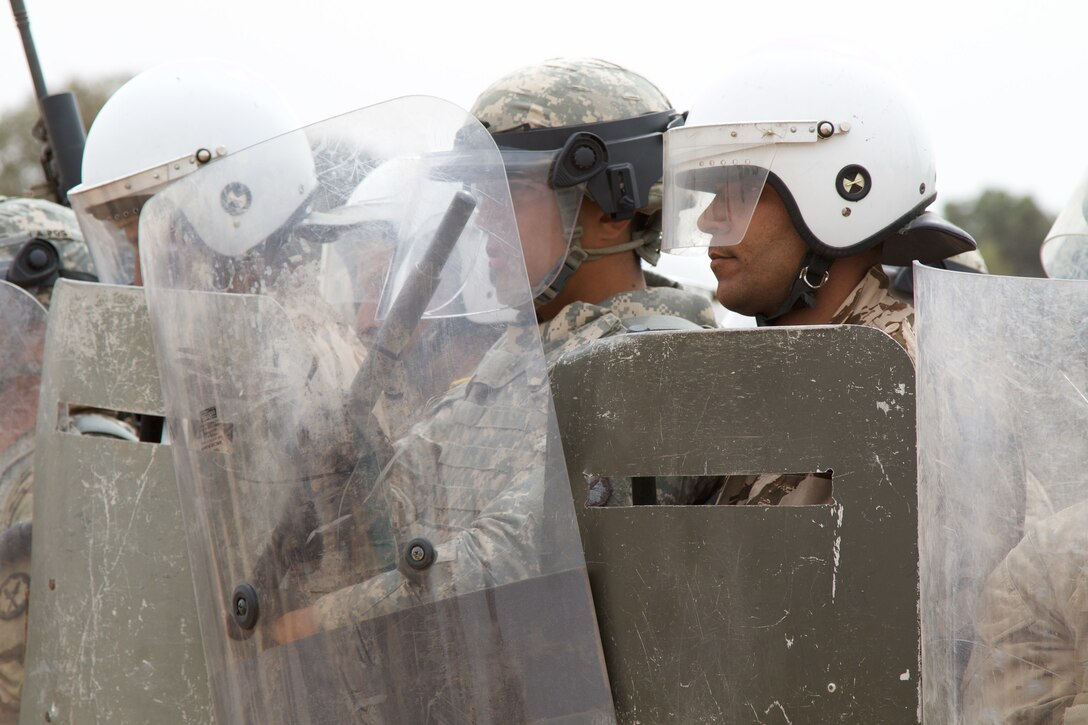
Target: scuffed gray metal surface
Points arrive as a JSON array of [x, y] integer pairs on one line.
[[752, 614], [113, 634]]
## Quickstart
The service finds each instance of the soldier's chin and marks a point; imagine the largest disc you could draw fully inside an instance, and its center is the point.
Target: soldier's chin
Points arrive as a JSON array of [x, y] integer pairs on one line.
[[735, 300]]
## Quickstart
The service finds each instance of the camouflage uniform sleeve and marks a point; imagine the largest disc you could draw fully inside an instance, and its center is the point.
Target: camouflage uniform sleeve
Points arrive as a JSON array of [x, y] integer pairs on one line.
[[471, 480], [495, 546], [1026, 665], [14, 582], [872, 304]]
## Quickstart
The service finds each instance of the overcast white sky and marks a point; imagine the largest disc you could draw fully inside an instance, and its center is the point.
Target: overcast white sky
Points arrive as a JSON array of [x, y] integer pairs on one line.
[[1001, 83]]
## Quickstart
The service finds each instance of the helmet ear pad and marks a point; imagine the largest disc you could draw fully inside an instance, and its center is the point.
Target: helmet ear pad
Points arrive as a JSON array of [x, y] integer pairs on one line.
[[818, 245]]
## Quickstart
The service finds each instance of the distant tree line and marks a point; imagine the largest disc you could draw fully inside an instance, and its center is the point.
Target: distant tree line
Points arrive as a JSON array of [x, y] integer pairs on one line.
[[1008, 228]]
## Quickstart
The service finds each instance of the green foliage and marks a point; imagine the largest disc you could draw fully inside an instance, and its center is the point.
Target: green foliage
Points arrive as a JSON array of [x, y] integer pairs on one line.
[[20, 153], [1008, 229]]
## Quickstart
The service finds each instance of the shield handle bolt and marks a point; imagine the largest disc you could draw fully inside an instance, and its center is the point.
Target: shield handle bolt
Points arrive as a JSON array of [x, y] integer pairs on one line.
[[244, 606], [419, 554]]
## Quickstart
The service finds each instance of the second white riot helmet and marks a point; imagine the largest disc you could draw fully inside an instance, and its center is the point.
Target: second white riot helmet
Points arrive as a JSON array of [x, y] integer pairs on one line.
[[164, 124], [840, 144]]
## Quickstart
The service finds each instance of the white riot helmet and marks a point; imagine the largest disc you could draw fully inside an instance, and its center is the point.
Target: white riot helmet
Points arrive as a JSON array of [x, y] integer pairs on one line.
[[1065, 250], [164, 124], [839, 144]]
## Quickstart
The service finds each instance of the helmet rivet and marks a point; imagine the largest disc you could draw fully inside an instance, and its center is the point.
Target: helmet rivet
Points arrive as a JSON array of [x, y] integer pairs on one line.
[[203, 156], [38, 259], [922, 188], [177, 166], [825, 129], [584, 158], [220, 150], [846, 211], [845, 127], [793, 129]]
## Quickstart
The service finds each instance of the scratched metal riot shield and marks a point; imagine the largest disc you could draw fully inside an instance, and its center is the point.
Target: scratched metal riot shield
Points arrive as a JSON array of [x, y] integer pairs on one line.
[[1003, 489], [751, 614], [22, 338], [374, 493], [113, 632]]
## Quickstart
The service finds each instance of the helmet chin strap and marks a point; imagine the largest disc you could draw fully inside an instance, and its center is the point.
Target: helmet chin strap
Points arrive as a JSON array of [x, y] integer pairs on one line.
[[812, 274], [575, 256]]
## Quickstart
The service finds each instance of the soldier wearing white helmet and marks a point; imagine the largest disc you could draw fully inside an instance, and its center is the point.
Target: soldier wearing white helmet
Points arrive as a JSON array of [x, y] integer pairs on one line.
[[164, 124], [802, 176], [799, 176]]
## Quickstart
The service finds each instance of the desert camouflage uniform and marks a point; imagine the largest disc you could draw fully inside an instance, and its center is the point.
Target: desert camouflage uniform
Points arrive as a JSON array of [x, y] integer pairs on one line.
[[872, 304], [1029, 663], [470, 478]]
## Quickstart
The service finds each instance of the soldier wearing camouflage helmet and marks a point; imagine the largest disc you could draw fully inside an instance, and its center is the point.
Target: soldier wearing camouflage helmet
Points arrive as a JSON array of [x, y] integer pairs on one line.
[[581, 140], [41, 242]]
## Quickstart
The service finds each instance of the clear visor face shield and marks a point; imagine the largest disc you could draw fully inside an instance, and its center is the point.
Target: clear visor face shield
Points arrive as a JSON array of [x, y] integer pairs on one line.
[[546, 216], [385, 231], [1065, 251], [109, 216], [714, 178], [550, 171]]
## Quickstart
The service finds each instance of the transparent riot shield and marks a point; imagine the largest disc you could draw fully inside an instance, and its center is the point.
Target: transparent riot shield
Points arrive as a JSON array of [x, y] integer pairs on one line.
[[1003, 495], [113, 633], [751, 614], [22, 339], [377, 507]]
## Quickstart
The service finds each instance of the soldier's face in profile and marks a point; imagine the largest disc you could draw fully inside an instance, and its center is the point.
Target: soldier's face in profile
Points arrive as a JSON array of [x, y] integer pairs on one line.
[[754, 276], [542, 236], [540, 226]]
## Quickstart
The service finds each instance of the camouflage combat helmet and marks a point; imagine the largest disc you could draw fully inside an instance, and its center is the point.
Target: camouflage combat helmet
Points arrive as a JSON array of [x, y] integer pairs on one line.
[[39, 242], [605, 125]]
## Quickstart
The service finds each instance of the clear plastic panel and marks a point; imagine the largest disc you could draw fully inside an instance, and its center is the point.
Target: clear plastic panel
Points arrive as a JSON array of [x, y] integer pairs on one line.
[[1003, 489], [376, 500], [546, 216], [22, 342], [1065, 250], [110, 231], [711, 188]]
